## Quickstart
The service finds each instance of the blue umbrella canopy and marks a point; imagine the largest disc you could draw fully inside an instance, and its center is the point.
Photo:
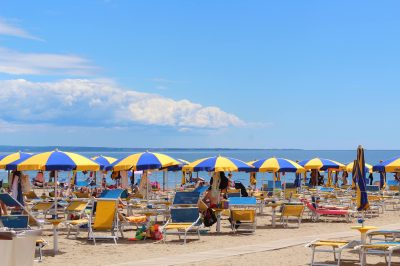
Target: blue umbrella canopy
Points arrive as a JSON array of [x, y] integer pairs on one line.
[[105, 162]]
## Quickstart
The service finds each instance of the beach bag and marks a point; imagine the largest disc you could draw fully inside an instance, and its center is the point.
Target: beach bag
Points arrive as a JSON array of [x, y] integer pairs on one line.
[[209, 217]]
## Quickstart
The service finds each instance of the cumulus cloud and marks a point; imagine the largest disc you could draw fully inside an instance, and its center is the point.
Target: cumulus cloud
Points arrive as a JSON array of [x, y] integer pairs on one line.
[[18, 63], [11, 30], [85, 102]]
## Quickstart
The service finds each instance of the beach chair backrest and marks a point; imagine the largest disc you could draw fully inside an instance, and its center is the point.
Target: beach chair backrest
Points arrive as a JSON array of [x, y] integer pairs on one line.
[[242, 201], [293, 210], [76, 206], [186, 198], [289, 192], [42, 206], [15, 221], [82, 195], [105, 214], [184, 215], [113, 194], [201, 189], [372, 188], [31, 195], [8, 200], [234, 194]]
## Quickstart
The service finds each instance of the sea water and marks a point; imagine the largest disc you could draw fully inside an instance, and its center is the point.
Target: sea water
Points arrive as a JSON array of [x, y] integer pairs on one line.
[[174, 178]]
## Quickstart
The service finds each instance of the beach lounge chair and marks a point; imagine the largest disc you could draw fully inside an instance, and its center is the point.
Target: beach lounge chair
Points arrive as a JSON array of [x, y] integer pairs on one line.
[[293, 211], [243, 213], [182, 221], [103, 219], [12, 203], [82, 195], [31, 196], [76, 217], [201, 189], [382, 248], [316, 213], [42, 208], [136, 220], [114, 194], [330, 246], [186, 199], [388, 235]]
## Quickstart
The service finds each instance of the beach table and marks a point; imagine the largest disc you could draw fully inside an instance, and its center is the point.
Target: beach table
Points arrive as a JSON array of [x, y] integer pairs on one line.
[[273, 205], [55, 223], [363, 231]]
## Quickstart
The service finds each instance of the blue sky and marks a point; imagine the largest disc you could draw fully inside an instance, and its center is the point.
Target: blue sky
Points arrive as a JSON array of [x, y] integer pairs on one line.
[[248, 74]]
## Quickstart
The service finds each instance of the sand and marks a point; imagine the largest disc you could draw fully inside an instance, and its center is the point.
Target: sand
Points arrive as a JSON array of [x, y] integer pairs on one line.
[[81, 252]]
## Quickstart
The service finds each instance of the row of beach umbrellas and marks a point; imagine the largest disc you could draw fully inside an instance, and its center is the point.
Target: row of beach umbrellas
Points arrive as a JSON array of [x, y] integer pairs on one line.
[[68, 161]]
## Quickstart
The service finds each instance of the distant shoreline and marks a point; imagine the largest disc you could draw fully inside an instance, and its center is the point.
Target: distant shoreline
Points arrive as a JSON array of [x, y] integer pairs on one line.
[[12, 148]]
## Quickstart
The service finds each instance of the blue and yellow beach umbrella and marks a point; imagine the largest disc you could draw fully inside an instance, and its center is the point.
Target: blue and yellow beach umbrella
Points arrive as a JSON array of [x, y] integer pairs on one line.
[[360, 176], [389, 166], [105, 162], [349, 167], [178, 167], [55, 161], [218, 164], [277, 165], [321, 164], [10, 158], [144, 161]]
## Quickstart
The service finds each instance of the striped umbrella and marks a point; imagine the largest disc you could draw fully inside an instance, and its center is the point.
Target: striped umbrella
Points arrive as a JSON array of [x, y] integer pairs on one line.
[[218, 164], [178, 167], [104, 161], [277, 165], [362, 197], [10, 158], [144, 161], [321, 164], [392, 165], [54, 161], [349, 167]]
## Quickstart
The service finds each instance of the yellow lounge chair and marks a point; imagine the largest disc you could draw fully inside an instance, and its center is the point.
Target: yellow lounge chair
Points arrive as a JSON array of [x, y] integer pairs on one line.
[[42, 207], [385, 248], [136, 220], [335, 247], [76, 216], [243, 218], [182, 221], [82, 195], [295, 211], [103, 219]]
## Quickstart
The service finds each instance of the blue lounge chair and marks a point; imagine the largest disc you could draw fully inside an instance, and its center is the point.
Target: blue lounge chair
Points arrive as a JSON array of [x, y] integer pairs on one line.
[[182, 221], [15, 221], [372, 188], [12, 203], [186, 198], [114, 194], [201, 189]]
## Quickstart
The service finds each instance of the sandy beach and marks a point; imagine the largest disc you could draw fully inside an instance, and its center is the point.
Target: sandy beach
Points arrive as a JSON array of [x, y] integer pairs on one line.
[[81, 252]]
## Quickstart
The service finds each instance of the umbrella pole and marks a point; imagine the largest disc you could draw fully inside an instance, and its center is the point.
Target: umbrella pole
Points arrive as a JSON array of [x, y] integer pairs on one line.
[[55, 233], [163, 181]]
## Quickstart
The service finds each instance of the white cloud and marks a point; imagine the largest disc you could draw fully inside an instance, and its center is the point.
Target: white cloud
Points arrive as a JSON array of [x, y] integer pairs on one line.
[[17, 63], [11, 30], [82, 102]]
